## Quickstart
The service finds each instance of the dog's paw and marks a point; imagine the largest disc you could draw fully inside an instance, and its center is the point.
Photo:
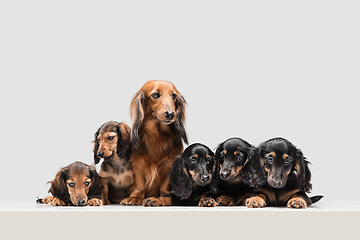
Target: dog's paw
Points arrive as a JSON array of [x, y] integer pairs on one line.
[[224, 201], [207, 202], [296, 202], [255, 202], [132, 201], [94, 202], [57, 202], [45, 200], [152, 202]]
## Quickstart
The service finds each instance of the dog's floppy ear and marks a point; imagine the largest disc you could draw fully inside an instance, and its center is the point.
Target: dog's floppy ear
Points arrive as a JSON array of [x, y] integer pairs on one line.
[[96, 147], [180, 180], [180, 104], [96, 185], [253, 173], [58, 186], [123, 144], [137, 113], [302, 171]]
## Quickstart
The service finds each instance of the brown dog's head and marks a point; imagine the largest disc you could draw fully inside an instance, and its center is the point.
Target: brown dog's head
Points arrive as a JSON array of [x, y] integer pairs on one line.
[[76, 183], [160, 101], [112, 137]]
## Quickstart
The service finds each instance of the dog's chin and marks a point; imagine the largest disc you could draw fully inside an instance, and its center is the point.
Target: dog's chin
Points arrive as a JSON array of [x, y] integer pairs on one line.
[[229, 179], [274, 185]]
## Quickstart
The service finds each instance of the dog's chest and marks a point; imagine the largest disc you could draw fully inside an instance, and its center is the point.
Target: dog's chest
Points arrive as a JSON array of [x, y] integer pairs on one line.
[[117, 173]]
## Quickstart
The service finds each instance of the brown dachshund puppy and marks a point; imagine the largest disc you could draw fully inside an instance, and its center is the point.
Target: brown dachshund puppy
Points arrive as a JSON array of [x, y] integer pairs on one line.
[[112, 143], [77, 184], [158, 114]]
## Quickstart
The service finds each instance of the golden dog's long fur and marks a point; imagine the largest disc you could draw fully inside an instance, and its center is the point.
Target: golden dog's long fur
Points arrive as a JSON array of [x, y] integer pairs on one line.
[[158, 132]]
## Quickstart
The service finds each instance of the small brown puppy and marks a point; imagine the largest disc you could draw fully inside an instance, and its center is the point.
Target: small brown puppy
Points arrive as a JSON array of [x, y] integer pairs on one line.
[[77, 184], [112, 143]]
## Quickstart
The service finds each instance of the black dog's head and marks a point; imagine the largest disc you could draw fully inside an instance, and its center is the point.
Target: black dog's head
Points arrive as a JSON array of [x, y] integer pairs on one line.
[[231, 156], [195, 165], [275, 161]]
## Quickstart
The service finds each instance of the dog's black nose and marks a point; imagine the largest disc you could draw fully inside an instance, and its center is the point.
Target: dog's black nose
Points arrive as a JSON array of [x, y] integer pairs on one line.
[[169, 115], [278, 184], [100, 154], [225, 175], [205, 178], [80, 202]]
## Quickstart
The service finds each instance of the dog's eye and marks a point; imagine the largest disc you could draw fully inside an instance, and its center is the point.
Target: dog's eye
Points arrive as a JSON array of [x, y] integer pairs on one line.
[[193, 160], [87, 184], [237, 157], [110, 138], [156, 95], [270, 159], [174, 96], [288, 161], [72, 184], [208, 161], [98, 140]]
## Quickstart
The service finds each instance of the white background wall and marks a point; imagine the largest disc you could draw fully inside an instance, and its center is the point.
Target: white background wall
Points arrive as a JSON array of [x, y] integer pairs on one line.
[[251, 69]]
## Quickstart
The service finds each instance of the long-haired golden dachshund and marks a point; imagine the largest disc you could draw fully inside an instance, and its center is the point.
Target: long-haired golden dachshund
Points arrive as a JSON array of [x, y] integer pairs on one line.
[[158, 132], [77, 184], [112, 143]]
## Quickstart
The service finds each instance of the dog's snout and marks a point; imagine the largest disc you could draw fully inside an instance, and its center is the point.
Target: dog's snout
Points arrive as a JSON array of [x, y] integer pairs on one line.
[[169, 115], [100, 154], [81, 202], [278, 184], [205, 178], [225, 174]]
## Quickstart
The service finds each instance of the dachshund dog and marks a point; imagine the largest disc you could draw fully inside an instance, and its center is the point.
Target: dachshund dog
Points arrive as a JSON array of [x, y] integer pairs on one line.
[[281, 174], [231, 155], [77, 184], [158, 132], [191, 179], [112, 143]]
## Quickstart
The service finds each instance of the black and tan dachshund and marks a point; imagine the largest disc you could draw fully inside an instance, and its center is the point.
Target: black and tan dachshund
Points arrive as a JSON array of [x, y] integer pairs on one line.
[[77, 184], [280, 174], [231, 155], [191, 179], [112, 143]]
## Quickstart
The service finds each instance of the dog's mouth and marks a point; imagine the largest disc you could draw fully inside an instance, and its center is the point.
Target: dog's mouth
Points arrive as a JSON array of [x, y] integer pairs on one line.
[[228, 179], [200, 182]]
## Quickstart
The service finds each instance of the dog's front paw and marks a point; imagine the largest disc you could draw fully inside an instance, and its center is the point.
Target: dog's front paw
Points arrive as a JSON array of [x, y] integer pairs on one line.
[[207, 202], [152, 202], [45, 200], [57, 202], [132, 201], [255, 202], [224, 201], [94, 202], [296, 202]]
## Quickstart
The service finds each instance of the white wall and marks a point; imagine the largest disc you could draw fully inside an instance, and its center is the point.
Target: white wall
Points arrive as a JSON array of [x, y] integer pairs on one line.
[[255, 70]]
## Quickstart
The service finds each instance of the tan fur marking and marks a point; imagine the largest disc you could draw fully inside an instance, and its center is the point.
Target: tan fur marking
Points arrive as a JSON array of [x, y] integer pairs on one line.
[[224, 152], [195, 156], [285, 156], [285, 197], [236, 153], [270, 194]]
